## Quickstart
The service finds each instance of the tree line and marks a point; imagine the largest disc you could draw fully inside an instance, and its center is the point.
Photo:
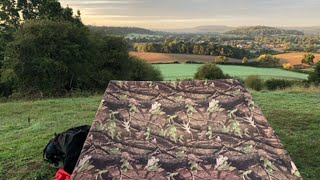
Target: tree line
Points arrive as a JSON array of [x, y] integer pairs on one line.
[[308, 43], [287, 41], [204, 48], [47, 50]]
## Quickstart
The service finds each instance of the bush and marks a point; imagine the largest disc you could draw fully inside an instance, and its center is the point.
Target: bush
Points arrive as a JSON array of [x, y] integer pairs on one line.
[[287, 66], [7, 82], [5, 90], [54, 58], [142, 71], [193, 62], [221, 59], [274, 84], [209, 71], [245, 60], [109, 60], [254, 82], [314, 77], [48, 56], [268, 60]]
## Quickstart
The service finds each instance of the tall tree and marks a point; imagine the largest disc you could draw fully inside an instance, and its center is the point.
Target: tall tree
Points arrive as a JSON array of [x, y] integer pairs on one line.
[[9, 23], [48, 56], [14, 12], [9, 15], [308, 59], [48, 9]]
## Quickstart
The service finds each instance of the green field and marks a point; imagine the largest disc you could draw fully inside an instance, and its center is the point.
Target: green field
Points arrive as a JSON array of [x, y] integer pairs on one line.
[[294, 116], [185, 71]]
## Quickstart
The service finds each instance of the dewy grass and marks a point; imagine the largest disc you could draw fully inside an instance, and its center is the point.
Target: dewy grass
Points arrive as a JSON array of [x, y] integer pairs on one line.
[[294, 116], [21, 142]]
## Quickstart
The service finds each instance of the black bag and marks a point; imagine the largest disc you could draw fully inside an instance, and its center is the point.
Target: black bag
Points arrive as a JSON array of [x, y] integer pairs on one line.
[[66, 147]]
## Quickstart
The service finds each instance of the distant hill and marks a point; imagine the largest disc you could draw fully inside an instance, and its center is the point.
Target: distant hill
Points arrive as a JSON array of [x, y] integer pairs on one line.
[[214, 29], [306, 30], [263, 30], [121, 30]]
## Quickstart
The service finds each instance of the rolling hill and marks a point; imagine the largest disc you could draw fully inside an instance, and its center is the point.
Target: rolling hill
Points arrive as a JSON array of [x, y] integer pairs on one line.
[[262, 30], [214, 29], [219, 29], [313, 30], [121, 30]]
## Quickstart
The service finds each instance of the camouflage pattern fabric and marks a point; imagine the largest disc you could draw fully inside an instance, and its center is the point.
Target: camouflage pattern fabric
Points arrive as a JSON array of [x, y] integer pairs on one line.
[[182, 130]]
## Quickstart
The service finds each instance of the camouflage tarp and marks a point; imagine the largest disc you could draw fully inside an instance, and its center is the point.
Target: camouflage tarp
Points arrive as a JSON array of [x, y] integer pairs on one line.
[[182, 130]]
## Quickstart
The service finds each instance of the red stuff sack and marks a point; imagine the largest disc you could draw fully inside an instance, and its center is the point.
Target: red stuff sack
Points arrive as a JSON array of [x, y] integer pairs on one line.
[[62, 175]]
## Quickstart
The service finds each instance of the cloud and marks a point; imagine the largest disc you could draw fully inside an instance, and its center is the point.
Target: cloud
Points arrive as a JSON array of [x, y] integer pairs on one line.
[[188, 13]]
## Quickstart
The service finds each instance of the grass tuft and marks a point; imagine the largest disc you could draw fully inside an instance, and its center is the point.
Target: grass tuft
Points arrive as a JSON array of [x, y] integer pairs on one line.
[[301, 89]]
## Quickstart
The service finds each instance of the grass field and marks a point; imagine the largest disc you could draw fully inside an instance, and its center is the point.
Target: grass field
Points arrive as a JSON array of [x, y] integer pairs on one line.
[[21, 143], [184, 71], [295, 58], [168, 58], [294, 116]]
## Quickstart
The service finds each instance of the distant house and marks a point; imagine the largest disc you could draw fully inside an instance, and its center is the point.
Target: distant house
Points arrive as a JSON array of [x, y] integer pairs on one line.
[[239, 46]]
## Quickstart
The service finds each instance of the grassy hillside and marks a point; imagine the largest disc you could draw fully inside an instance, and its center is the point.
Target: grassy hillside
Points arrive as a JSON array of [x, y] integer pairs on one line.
[[294, 116], [183, 71], [169, 58], [295, 58]]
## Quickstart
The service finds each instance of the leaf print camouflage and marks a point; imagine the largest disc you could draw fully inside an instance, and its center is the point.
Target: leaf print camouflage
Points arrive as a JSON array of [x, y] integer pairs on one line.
[[223, 165], [152, 164], [182, 130], [156, 109], [214, 106]]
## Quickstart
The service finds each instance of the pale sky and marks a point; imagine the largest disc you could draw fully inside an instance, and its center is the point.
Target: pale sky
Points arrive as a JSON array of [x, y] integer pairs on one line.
[[175, 14]]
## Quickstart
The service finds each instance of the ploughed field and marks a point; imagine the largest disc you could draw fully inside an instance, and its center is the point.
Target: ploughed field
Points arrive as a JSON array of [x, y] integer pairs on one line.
[[187, 71], [155, 58], [295, 58], [295, 118]]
